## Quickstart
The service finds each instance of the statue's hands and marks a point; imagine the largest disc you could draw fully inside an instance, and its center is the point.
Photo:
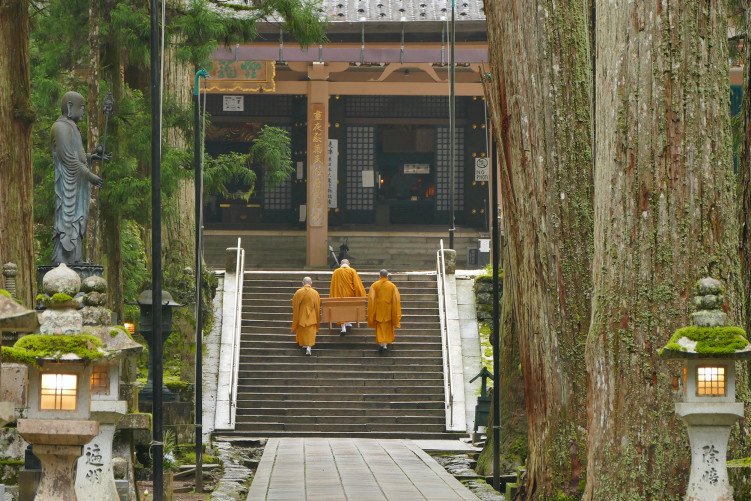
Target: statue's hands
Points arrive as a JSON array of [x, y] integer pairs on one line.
[[100, 157], [95, 180]]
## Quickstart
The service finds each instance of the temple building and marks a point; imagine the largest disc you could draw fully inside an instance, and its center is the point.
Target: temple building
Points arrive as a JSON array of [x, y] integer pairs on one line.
[[368, 116]]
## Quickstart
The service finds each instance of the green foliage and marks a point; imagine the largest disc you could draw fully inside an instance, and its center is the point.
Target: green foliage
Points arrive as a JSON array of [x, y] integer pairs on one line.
[[487, 274], [229, 169], [35, 346], [710, 340], [135, 267], [270, 150]]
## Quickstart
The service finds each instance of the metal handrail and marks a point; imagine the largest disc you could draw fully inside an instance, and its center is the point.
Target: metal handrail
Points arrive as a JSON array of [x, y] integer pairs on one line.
[[442, 310], [236, 328]]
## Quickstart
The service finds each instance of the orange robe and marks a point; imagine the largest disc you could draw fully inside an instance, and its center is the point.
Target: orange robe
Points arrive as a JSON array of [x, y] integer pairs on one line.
[[345, 282], [384, 310], [306, 316]]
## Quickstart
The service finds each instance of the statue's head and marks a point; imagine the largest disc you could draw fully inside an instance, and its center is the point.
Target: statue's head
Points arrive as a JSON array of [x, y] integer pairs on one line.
[[72, 106]]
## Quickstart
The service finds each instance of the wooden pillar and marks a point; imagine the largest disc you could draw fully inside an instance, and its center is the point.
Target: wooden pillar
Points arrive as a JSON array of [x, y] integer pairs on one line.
[[316, 233]]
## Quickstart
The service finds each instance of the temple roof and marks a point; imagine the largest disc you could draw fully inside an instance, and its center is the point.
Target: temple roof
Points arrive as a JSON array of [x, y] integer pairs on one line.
[[402, 10], [379, 11]]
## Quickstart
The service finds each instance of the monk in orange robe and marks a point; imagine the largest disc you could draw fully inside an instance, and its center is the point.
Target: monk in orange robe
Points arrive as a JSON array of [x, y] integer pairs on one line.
[[345, 282], [306, 314], [384, 310]]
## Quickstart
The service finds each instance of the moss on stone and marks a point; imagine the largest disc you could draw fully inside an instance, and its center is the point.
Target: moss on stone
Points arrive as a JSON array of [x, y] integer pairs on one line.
[[57, 298], [61, 297], [29, 349], [5, 293], [710, 340], [488, 277]]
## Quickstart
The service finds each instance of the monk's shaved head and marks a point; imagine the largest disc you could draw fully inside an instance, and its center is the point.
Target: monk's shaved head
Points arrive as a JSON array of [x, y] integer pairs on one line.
[[343, 262], [384, 272], [307, 281]]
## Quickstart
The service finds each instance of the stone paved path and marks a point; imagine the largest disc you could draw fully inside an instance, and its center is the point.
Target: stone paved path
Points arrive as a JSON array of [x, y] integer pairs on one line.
[[334, 469]]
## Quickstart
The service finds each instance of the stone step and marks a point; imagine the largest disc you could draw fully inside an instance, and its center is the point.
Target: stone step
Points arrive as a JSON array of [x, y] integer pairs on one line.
[[281, 327], [294, 386], [403, 435], [376, 362], [428, 421], [341, 380], [377, 410], [294, 353], [252, 394], [357, 406], [411, 322], [356, 335], [284, 312], [422, 300], [340, 427]]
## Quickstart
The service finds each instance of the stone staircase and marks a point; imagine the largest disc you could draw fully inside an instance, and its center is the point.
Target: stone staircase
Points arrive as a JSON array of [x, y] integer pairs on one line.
[[369, 251], [346, 388]]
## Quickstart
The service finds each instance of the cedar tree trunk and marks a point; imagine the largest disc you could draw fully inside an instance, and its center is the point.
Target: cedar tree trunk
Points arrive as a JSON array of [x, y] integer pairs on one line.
[[540, 95], [16, 120], [664, 218]]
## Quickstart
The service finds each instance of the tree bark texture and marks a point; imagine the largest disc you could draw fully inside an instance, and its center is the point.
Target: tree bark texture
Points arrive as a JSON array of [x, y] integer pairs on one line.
[[16, 120], [94, 118], [540, 100], [179, 221], [744, 181], [664, 218]]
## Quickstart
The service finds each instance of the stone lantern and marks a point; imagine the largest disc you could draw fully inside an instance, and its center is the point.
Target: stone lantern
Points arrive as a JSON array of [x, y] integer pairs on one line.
[[14, 318], [60, 364], [709, 351], [95, 480], [144, 302]]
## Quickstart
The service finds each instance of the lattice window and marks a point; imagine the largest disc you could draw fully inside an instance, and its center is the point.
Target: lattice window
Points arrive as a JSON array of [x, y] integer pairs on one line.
[[360, 148], [279, 197], [100, 379], [442, 157], [58, 392], [710, 381], [401, 106]]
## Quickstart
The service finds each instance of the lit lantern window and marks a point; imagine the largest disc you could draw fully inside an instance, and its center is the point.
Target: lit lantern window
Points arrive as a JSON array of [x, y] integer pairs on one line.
[[58, 392], [100, 379], [710, 381]]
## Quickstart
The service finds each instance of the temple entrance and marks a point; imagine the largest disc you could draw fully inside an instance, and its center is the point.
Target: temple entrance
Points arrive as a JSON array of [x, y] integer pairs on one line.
[[406, 170]]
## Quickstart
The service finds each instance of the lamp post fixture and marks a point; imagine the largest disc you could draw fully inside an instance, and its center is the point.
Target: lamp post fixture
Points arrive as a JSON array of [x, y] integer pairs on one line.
[[146, 395], [709, 351]]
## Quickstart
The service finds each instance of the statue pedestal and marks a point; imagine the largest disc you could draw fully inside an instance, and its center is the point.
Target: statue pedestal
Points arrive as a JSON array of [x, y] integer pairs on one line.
[[84, 270], [57, 444], [95, 480], [708, 432]]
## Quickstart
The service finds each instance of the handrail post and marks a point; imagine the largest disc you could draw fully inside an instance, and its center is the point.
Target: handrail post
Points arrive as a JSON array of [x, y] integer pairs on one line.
[[445, 348], [236, 326]]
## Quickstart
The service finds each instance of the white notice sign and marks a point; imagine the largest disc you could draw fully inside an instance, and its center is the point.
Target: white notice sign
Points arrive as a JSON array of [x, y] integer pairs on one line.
[[333, 161], [482, 169], [233, 103], [368, 179], [300, 170]]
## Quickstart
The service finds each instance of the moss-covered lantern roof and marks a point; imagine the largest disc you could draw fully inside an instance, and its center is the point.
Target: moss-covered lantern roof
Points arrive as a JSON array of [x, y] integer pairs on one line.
[[709, 337]]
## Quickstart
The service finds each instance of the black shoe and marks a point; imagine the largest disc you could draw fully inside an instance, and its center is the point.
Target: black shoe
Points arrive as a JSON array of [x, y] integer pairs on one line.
[[381, 349]]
